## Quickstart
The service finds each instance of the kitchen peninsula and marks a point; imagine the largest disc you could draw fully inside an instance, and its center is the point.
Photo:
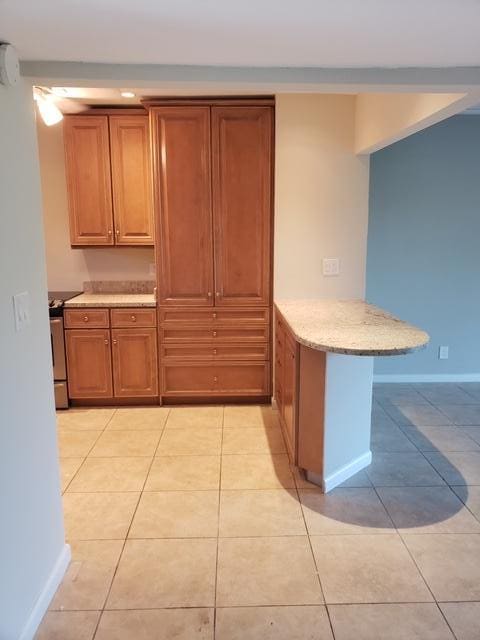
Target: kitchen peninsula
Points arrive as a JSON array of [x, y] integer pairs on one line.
[[324, 353]]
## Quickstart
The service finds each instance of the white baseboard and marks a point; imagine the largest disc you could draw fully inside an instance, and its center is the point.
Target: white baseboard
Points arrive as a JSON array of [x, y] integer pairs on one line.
[[344, 473], [426, 377], [47, 594]]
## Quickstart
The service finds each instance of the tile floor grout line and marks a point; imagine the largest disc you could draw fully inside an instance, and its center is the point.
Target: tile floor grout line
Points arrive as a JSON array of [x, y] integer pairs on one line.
[[412, 558], [218, 529], [84, 457], [127, 533], [297, 490]]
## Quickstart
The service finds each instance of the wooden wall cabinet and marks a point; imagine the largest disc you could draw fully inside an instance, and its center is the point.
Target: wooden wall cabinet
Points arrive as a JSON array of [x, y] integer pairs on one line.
[[120, 362], [213, 203], [107, 163]]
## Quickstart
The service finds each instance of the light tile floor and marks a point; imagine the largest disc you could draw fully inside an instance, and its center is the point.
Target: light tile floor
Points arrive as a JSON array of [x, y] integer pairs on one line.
[[189, 523]]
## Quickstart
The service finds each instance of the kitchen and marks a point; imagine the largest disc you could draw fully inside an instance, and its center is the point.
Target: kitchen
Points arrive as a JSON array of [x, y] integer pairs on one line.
[[187, 184]]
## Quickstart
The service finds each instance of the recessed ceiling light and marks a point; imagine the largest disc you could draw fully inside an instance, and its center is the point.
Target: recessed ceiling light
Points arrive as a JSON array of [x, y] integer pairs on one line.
[[127, 94]]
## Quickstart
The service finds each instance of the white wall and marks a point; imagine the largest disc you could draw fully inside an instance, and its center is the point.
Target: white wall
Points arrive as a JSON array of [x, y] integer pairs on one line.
[[67, 268], [321, 197], [31, 530], [384, 118]]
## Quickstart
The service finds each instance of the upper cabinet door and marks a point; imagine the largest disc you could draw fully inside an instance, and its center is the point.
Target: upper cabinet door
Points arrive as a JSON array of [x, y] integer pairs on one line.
[[132, 192], [242, 192], [181, 143], [87, 164]]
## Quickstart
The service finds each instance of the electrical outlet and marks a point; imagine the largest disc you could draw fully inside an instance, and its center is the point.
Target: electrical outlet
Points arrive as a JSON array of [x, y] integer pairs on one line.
[[331, 266], [443, 353], [21, 310]]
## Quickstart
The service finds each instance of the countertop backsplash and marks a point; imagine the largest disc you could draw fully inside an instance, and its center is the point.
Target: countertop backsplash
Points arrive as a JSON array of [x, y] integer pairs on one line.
[[119, 286]]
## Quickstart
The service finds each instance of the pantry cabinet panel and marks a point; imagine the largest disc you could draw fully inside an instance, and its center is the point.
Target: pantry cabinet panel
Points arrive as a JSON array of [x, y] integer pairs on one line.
[[87, 166], [183, 204], [134, 353], [89, 363], [131, 179], [242, 185]]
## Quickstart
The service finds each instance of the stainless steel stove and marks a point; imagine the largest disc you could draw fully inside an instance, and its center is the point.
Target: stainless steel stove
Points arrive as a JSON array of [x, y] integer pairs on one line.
[[56, 300]]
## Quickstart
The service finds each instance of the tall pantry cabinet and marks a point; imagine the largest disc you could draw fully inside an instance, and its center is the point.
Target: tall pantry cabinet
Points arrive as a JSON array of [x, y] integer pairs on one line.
[[213, 203]]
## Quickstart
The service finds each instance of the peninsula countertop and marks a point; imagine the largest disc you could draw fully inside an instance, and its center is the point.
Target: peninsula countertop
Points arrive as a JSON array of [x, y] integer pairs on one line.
[[111, 300], [350, 327]]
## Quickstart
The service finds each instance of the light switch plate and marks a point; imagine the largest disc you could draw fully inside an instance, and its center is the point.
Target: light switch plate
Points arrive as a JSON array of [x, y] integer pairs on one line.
[[21, 310], [331, 266], [443, 353]]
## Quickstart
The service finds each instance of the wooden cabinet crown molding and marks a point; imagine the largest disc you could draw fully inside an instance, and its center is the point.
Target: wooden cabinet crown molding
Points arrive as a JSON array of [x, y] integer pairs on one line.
[[155, 101]]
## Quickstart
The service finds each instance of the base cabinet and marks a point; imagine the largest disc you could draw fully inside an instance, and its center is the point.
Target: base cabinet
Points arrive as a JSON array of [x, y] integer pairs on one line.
[[286, 385], [219, 379], [215, 353], [134, 357], [89, 363], [104, 363]]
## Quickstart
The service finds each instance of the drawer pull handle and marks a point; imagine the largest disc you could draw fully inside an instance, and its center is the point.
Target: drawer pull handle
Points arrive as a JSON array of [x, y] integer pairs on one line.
[[214, 334], [214, 352], [215, 379], [214, 315], [85, 318], [134, 318]]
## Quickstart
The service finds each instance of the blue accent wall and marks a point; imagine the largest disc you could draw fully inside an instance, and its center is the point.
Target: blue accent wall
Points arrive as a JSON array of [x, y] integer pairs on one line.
[[423, 261]]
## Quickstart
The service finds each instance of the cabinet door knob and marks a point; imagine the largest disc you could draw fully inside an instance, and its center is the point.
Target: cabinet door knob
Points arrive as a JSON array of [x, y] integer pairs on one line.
[[214, 352], [217, 294], [209, 294], [134, 318], [215, 379], [214, 334], [214, 315], [85, 318], [109, 232], [106, 341], [117, 231], [114, 342]]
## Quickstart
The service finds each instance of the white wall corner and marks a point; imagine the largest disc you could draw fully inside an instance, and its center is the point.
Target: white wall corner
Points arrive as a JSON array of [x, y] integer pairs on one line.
[[47, 593]]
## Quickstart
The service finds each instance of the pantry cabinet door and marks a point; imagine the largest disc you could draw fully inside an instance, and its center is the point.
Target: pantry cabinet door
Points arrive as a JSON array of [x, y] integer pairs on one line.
[[89, 187], [181, 145], [242, 192], [131, 180]]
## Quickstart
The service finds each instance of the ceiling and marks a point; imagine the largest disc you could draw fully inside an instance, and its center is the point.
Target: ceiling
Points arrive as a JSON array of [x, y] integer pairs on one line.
[[317, 33]]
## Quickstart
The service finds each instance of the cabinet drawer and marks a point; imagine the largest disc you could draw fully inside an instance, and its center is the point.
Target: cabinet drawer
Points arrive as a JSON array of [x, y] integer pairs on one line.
[[228, 379], [220, 334], [215, 316], [86, 318], [133, 317], [180, 352]]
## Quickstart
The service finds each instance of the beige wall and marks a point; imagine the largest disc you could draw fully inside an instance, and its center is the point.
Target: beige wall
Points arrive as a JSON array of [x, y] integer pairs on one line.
[[68, 268], [321, 197], [384, 118]]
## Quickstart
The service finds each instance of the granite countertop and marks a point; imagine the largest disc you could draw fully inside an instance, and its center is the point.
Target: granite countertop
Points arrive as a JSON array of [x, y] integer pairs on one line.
[[351, 327], [112, 300]]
